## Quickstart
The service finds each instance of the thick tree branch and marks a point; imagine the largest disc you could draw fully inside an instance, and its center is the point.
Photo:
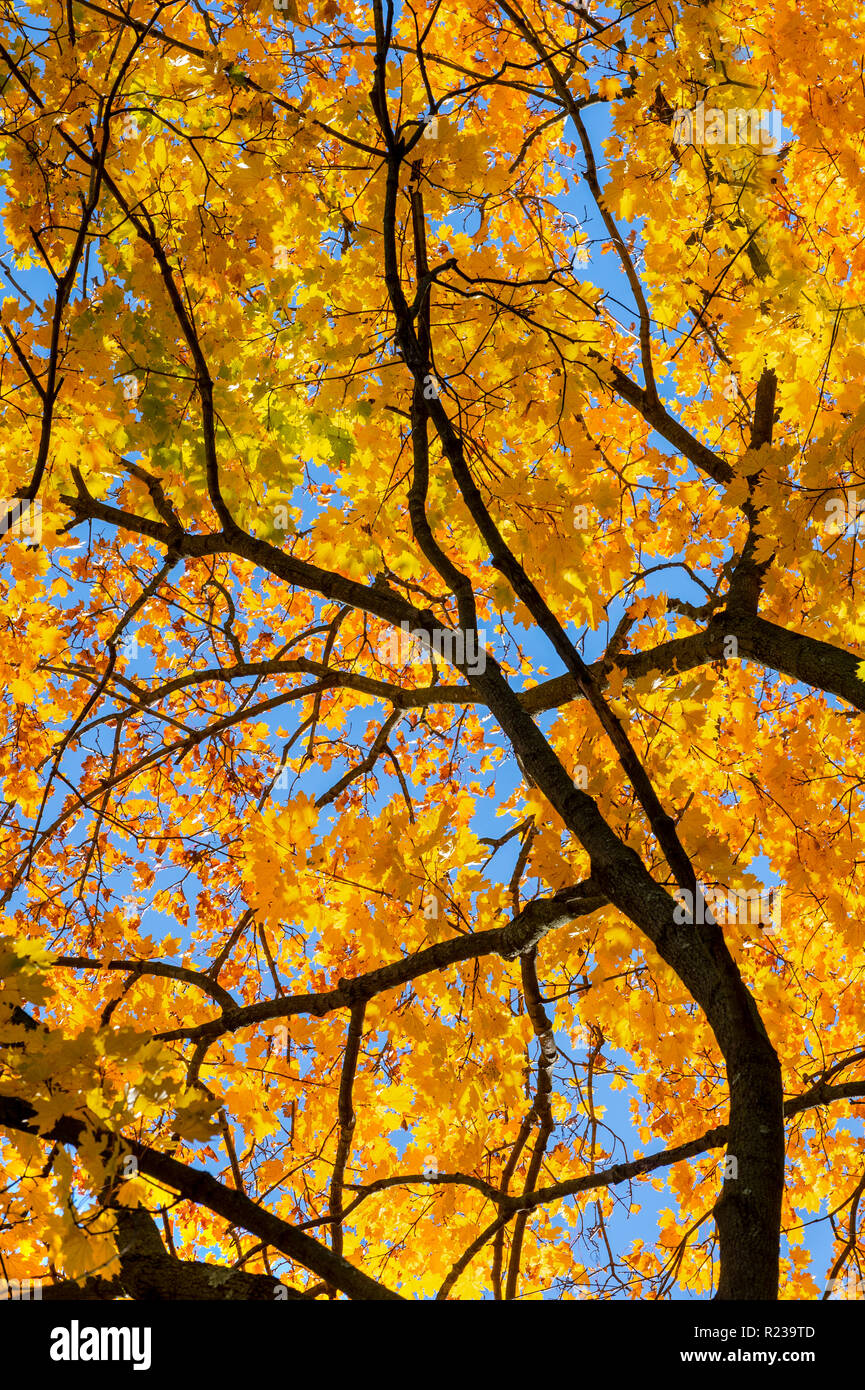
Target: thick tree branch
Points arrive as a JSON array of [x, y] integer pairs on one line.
[[195, 1185]]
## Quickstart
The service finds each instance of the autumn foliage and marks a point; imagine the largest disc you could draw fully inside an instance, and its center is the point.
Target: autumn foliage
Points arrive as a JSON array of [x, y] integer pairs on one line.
[[432, 606]]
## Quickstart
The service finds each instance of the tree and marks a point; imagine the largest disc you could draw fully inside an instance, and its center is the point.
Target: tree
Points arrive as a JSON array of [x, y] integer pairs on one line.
[[423, 683]]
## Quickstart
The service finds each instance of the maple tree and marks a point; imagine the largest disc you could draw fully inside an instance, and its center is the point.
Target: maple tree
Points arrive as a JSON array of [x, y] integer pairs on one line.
[[408, 655]]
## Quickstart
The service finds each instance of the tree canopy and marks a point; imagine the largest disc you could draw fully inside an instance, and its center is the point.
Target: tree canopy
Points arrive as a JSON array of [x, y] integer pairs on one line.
[[432, 583]]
